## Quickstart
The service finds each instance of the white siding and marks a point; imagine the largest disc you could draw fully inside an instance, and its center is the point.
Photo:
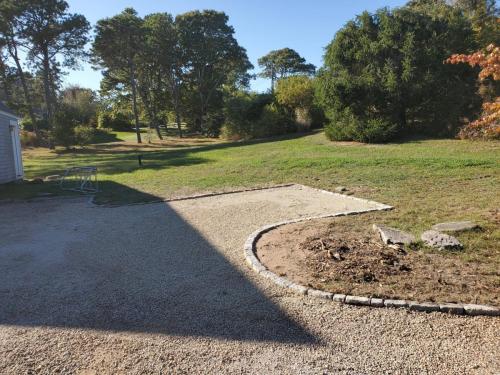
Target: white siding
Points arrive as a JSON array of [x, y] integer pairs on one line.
[[7, 166]]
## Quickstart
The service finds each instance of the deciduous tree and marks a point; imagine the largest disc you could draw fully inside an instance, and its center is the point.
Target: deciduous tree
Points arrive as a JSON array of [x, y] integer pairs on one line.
[[488, 125], [282, 63], [213, 58], [55, 39], [116, 48]]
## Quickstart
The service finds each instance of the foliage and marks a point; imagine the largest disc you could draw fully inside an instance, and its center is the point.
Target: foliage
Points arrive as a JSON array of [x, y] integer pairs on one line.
[[115, 120], [282, 63], [28, 139], [84, 102], [83, 134], [488, 126], [116, 48], [159, 67], [250, 115], [69, 126], [295, 92], [55, 39], [297, 95], [65, 121], [214, 59], [484, 18], [384, 75]]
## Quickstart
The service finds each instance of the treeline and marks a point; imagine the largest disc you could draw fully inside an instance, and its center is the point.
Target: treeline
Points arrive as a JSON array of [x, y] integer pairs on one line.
[[384, 74]]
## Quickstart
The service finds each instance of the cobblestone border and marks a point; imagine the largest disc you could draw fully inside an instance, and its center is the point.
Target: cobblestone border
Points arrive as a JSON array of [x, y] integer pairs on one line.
[[254, 263]]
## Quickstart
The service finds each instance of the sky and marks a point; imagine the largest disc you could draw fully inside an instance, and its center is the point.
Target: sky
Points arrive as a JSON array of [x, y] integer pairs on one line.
[[260, 25]]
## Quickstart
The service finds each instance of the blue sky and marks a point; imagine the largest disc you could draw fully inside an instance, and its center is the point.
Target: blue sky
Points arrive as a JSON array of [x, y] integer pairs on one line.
[[260, 25]]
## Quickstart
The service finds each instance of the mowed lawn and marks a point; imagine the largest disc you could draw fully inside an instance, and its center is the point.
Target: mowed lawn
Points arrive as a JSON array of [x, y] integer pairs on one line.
[[427, 181]]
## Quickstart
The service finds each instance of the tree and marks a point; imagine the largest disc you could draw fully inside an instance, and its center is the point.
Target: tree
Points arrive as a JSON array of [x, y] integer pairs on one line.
[[484, 16], [116, 48], [213, 59], [84, 102], [488, 125], [297, 93], [384, 75], [282, 63], [55, 39], [11, 13], [160, 68]]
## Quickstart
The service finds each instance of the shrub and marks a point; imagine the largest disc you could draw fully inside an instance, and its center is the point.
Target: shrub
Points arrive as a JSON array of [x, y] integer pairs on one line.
[[65, 121], [274, 121], [297, 95], [347, 127], [83, 134], [249, 115], [28, 138], [114, 120]]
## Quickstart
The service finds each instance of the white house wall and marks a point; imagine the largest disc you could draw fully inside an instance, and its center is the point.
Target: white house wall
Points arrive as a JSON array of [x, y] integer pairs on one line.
[[7, 159]]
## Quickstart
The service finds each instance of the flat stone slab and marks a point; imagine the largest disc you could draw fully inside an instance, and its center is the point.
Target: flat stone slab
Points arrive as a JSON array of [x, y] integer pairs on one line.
[[356, 300], [377, 302], [452, 308], [319, 294], [455, 226], [472, 309], [424, 306], [396, 303], [393, 236], [440, 240]]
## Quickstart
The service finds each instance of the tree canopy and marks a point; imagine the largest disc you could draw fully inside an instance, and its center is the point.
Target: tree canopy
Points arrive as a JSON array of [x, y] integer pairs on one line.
[[384, 75], [282, 63]]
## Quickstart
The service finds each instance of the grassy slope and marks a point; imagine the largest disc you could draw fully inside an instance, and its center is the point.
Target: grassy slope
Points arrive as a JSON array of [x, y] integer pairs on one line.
[[427, 181]]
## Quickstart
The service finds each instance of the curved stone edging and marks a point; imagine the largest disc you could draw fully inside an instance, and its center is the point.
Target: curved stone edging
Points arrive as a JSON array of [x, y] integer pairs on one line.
[[257, 266]]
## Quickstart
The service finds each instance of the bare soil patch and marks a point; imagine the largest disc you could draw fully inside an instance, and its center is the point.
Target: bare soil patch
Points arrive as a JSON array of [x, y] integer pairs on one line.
[[343, 255]]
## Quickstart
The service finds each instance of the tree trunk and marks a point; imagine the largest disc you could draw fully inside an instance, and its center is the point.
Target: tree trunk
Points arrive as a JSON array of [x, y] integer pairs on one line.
[[12, 48], [175, 95], [48, 95], [134, 102], [6, 86], [178, 121], [272, 80], [150, 111]]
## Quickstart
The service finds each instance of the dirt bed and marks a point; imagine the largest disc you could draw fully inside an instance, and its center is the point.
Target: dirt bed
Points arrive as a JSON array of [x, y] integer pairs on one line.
[[343, 255]]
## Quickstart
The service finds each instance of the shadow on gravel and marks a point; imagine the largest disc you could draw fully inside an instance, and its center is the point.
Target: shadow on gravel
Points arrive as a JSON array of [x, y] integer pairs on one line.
[[136, 268]]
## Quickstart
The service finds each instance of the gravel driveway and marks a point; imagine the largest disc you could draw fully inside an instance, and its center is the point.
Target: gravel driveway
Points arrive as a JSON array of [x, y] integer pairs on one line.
[[163, 288]]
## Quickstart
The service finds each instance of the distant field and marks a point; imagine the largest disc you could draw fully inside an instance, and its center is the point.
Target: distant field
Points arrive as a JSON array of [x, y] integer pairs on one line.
[[426, 180]]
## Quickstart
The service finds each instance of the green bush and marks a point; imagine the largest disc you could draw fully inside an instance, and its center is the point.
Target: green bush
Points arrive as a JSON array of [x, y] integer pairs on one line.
[[63, 132], [249, 115], [115, 120], [347, 127], [83, 134], [274, 120]]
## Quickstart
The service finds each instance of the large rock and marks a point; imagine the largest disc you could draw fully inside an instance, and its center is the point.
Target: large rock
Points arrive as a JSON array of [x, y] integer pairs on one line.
[[455, 226], [440, 240], [393, 236]]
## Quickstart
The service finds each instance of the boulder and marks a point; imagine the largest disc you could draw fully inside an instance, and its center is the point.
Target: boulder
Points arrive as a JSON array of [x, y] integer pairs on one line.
[[393, 236], [455, 226], [340, 189], [440, 240]]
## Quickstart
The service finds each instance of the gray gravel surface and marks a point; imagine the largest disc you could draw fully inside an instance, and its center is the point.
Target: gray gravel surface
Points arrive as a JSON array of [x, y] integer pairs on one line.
[[163, 288]]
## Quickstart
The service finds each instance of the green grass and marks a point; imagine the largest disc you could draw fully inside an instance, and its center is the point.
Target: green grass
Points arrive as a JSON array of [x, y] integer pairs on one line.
[[427, 181]]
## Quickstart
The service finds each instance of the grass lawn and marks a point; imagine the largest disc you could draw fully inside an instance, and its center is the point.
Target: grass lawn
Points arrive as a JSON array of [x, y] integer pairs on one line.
[[427, 181]]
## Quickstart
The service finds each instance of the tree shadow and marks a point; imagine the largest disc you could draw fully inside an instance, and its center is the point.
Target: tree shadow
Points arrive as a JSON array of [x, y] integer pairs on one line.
[[141, 268], [113, 159]]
